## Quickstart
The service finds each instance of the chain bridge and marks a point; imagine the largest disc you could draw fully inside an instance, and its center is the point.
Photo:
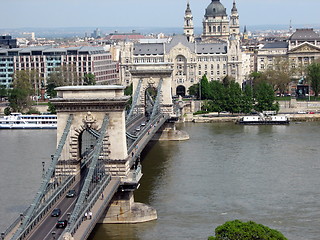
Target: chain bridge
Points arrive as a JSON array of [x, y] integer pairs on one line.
[[98, 155]]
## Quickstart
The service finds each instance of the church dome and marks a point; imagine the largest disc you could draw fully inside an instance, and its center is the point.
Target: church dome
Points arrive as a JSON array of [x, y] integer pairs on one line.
[[215, 9]]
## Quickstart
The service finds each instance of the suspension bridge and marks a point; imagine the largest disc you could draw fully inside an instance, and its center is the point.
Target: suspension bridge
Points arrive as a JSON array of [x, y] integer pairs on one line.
[[98, 152]]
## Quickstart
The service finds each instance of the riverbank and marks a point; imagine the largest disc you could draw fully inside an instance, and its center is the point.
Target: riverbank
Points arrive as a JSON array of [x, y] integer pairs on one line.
[[214, 117]]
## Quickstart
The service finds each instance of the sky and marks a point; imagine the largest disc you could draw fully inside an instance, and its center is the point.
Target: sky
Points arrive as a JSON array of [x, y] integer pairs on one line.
[[148, 13]]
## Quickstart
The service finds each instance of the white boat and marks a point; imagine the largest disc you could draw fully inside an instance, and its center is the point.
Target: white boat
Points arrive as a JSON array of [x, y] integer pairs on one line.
[[31, 121], [262, 119]]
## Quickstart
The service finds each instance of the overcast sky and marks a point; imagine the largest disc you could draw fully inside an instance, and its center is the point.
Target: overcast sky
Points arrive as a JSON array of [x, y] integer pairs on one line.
[[148, 13]]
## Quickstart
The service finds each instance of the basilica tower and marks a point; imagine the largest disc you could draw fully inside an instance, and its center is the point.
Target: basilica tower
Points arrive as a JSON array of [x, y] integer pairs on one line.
[[215, 22], [188, 24], [234, 20]]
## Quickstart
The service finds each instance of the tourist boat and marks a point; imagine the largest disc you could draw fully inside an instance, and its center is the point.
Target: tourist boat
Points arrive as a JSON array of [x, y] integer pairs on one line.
[[262, 119], [31, 121]]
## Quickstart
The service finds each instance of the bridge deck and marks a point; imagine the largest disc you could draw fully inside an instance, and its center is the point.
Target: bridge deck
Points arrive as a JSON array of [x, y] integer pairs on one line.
[[97, 210]]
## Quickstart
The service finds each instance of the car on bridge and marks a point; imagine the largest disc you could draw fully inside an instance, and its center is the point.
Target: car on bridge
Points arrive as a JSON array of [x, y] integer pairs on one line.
[[71, 193], [56, 212], [61, 224]]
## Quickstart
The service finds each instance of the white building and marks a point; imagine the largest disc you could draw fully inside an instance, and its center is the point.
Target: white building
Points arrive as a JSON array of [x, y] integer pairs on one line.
[[216, 54]]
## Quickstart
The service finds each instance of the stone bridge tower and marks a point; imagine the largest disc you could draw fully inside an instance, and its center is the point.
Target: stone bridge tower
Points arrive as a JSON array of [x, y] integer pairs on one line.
[[89, 105], [151, 76]]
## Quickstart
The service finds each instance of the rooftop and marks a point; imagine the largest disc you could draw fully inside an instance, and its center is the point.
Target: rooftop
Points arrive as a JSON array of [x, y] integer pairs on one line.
[[305, 34]]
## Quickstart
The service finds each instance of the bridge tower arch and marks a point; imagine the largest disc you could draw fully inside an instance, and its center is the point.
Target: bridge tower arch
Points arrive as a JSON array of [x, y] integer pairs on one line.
[[150, 77]]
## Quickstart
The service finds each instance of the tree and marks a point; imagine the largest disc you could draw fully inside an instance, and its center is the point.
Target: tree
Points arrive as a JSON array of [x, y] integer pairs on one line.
[[264, 96], [63, 76], [238, 230], [19, 96], [128, 90], [233, 96], [216, 95], [313, 76], [89, 79], [247, 99], [205, 91], [3, 92], [51, 108], [194, 90]]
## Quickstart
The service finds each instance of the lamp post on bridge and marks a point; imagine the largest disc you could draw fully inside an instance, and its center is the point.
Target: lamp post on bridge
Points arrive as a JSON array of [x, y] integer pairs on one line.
[[43, 165], [53, 234], [21, 218]]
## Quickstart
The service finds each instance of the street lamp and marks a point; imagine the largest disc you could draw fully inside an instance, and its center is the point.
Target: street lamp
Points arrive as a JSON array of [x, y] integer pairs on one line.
[[53, 234], [21, 217], [43, 165]]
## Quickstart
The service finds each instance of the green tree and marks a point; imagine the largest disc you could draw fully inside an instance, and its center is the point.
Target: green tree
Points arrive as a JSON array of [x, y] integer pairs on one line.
[[3, 92], [20, 95], [227, 81], [89, 79], [313, 77], [247, 99], [51, 108], [7, 111], [216, 95], [128, 90], [63, 76], [265, 97], [205, 91], [238, 230], [233, 96], [194, 90]]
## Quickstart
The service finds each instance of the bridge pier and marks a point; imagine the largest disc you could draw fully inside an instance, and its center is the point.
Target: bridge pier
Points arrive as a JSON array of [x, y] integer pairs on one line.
[[123, 209], [169, 133]]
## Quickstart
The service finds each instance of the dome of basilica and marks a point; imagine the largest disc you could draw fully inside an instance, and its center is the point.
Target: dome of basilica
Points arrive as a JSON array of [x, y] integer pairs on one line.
[[215, 9]]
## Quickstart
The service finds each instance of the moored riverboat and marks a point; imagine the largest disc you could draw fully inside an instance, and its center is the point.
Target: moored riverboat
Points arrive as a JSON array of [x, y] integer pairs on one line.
[[31, 121], [264, 120]]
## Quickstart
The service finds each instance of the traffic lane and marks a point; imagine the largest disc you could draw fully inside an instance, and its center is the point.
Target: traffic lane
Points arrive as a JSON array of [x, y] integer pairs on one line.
[[48, 225], [44, 231], [133, 128]]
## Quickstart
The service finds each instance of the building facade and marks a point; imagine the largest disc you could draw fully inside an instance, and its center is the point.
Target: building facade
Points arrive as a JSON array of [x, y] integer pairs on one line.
[[8, 42], [216, 54], [300, 49], [44, 60]]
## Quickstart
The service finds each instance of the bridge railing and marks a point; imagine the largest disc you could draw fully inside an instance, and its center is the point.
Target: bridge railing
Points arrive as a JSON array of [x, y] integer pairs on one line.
[[94, 196], [14, 224], [46, 207], [156, 120]]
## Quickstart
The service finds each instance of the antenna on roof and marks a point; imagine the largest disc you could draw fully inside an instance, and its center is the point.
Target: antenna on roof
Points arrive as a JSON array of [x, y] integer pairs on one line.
[[290, 27]]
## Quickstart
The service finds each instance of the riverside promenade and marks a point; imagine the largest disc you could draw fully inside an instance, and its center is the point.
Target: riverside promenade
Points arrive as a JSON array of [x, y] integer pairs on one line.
[[214, 118]]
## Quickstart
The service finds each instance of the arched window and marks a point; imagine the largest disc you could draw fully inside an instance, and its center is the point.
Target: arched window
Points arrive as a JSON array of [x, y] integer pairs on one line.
[[181, 91]]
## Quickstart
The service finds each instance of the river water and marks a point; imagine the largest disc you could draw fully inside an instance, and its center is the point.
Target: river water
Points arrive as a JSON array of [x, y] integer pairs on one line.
[[267, 174]]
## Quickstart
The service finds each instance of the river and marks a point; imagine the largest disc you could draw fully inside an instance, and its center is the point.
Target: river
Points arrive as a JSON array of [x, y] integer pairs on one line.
[[267, 174]]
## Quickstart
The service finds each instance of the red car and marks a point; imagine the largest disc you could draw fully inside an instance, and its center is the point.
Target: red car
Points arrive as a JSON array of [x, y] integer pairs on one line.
[[311, 112]]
